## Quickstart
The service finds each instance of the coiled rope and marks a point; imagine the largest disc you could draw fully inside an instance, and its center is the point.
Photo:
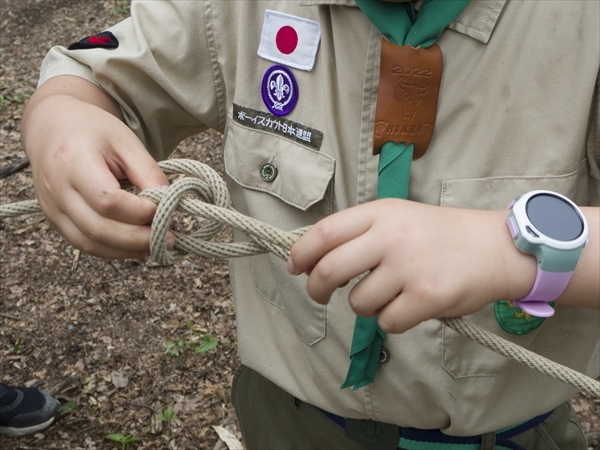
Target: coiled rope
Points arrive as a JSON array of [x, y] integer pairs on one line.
[[214, 205]]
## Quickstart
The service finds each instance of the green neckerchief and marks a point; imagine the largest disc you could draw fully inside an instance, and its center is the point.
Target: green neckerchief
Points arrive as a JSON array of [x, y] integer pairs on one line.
[[399, 24]]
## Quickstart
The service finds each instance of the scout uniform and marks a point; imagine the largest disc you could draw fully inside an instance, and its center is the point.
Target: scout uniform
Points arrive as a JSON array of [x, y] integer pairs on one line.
[[292, 86]]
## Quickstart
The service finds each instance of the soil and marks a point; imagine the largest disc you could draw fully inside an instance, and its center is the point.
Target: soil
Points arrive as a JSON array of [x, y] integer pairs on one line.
[[94, 332], [114, 341]]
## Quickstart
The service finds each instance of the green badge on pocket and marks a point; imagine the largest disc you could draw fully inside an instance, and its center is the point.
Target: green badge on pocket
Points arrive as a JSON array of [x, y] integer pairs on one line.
[[514, 320]]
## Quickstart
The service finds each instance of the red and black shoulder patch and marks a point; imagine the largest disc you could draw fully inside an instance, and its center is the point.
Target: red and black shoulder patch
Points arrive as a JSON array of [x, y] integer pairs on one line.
[[103, 40]]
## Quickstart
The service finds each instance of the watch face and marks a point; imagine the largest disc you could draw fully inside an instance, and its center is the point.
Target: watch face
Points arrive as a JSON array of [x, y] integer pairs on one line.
[[554, 217]]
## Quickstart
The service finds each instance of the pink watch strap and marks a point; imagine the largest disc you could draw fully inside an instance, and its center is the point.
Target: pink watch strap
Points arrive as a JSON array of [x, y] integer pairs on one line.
[[547, 287]]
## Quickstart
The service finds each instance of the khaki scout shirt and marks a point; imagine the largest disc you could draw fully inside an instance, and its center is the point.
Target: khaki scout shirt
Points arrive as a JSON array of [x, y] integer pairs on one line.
[[518, 111]]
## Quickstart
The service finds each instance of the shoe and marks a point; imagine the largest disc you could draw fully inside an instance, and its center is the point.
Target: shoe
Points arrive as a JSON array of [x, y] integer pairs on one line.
[[25, 411]]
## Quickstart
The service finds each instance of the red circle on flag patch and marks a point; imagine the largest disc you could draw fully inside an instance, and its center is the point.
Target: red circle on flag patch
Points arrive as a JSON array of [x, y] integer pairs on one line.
[[286, 40]]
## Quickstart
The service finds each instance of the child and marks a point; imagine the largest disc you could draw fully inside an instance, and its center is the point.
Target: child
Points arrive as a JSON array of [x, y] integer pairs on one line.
[[294, 88]]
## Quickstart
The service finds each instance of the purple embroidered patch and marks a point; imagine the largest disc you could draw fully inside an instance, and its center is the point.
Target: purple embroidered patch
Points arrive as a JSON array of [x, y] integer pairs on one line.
[[279, 90]]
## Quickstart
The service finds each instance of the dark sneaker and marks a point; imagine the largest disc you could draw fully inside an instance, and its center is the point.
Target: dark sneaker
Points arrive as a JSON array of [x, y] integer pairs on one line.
[[25, 411]]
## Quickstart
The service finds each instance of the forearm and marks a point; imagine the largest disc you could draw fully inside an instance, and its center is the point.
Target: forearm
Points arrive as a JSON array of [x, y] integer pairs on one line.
[[56, 94]]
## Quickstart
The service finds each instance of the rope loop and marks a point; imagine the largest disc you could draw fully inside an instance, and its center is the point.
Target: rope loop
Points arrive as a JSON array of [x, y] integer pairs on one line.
[[213, 204]]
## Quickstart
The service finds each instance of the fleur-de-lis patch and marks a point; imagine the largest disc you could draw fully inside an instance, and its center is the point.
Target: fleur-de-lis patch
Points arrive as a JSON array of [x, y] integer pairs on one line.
[[279, 90], [279, 87]]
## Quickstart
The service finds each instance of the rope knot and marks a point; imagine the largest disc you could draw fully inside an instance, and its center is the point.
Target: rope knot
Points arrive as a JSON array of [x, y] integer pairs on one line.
[[214, 205]]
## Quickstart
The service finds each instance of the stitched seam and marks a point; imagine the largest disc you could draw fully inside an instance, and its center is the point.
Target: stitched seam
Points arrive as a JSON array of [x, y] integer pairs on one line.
[[536, 177], [487, 20], [371, 100], [216, 69]]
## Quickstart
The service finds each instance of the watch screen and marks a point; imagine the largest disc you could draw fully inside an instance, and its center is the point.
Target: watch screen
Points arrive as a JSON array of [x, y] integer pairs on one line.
[[554, 217]]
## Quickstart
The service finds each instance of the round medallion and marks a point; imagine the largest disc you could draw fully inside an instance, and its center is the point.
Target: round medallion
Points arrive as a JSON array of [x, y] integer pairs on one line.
[[279, 90]]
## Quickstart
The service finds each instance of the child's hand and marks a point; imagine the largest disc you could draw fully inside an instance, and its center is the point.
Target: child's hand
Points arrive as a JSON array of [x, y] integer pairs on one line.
[[424, 261], [79, 149]]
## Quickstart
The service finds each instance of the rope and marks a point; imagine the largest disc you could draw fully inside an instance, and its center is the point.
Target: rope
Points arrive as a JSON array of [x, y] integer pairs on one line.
[[213, 204]]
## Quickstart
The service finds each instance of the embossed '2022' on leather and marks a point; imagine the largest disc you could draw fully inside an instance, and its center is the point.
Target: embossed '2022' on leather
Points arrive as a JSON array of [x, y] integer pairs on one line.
[[409, 85]]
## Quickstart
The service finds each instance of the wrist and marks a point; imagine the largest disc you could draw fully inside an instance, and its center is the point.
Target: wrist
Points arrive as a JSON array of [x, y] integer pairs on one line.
[[519, 269], [552, 228]]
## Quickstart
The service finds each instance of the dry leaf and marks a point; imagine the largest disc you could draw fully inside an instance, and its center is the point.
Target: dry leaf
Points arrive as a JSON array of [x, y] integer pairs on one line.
[[119, 379], [230, 440]]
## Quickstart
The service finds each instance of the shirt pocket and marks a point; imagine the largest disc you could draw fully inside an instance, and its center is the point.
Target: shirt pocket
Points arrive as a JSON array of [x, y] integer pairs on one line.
[[462, 357], [300, 194]]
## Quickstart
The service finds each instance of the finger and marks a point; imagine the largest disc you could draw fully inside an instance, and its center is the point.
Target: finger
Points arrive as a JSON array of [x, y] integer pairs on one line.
[[103, 193], [136, 164], [94, 248], [98, 229], [326, 235], [375, 290], [406, 311], [81, 242], [341, 264], [118, 204]]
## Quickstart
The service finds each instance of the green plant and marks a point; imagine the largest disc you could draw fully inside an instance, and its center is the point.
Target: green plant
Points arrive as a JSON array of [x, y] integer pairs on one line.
[[70, 405], [167, 415], [199, 343], [122, 439], [207, 343], [16, 346], [175, 348], [122, 7], [20, 97]]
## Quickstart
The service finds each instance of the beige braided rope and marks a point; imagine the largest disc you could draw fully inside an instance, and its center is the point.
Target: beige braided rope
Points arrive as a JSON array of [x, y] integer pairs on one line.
[[213, 204]]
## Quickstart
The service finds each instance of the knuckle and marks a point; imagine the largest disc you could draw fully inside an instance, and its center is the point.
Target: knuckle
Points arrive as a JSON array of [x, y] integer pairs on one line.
[[387, 323], [325, 231], [326, 271], [105, 203], [385, 326], [357, 303], [156, 172], [429, 292], [93, 233]]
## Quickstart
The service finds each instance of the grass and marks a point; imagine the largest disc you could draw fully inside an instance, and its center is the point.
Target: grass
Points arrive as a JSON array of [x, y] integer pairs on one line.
[[122, 439], [198, 343]]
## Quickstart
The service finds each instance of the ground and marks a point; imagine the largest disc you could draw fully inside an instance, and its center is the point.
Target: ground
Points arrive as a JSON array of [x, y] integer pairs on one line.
[[94, 332], [114, 341]]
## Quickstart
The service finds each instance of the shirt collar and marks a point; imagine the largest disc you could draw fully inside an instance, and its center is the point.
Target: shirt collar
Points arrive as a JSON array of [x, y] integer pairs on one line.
[[477, 21]]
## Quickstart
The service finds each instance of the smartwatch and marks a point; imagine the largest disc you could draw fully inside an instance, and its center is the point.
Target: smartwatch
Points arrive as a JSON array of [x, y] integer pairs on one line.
[[552, 228]]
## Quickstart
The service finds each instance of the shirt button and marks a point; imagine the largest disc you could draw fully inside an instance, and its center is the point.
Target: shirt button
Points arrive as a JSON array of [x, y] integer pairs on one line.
[[268, 172], [384, 355]]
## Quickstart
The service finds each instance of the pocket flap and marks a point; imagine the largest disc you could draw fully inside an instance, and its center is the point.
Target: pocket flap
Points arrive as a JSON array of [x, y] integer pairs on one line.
[[302, 174], [496, 193]]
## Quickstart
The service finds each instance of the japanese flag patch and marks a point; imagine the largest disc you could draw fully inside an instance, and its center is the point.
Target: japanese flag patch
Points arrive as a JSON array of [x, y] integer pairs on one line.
[[289, 40]]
